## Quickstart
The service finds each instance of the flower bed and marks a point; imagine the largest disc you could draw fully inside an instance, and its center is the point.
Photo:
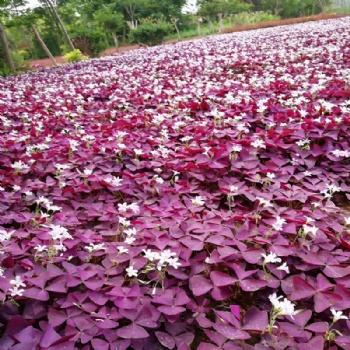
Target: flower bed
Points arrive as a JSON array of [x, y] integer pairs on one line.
[[190, 196]]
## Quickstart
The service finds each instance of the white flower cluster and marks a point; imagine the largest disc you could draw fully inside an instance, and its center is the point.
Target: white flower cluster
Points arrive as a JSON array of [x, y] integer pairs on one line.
[[310, 229], [161, 260], [47, 204], [18, 166], [330, 190], [124, 207], [273, 259], [339, 153], [113, 181], [61, 167], [161, 152], [73, 145], [16, 290], [36, 148], [91, 248], [282, 308], [258, 143], [302, 143], [59, 234], [5, 236]]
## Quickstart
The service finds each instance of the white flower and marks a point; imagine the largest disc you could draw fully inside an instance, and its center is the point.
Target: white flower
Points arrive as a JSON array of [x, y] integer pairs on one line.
[[19, 165], [158, 179], [59, 233], [302, 143], [347, 220], [138, 152], [15, 291], [53, 207], [122, 250], [281, 308], [61, 166], [339, 153], [233, 189], [258, 143], [174, 262], [130, 240], [207, 149], [130, 232], [331, 189], [5, 236], [124, 221], [16, 188], [95, 247], [264, 202], [165, 255], [88, 171], [338, 315], [134, 207], [114, 181], [28, 193], [123, 207], [237, 148], [310, 229], [284, 267], [186, 138], [43, 200], [279, 223], [151, 255], [271, 258], [60, 247], [199, 200], [271, 175], [131, 272], [40, 248], [18, 282]]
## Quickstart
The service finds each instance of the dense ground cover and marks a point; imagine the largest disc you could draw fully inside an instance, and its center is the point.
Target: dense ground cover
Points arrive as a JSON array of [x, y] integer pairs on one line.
[[190, 196]]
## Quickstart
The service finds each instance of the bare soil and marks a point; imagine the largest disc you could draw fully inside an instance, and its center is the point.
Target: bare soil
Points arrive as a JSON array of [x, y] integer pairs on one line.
[[43, 63]]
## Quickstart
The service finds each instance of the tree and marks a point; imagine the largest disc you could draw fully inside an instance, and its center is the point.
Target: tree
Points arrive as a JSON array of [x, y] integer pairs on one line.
[[110, 21], [224, 7], [6, 49], [51, 5], [47, 51]]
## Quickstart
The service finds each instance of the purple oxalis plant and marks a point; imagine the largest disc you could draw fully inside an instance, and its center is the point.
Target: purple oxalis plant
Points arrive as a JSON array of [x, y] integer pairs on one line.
[[190, 196]]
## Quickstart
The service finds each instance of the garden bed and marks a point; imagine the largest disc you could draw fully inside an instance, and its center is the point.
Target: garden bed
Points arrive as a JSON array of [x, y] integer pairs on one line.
[[187, 196]]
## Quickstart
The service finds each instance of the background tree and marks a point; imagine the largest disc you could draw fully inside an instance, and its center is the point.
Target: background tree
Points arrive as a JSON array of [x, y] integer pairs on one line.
[[211, 8], [111, 21]]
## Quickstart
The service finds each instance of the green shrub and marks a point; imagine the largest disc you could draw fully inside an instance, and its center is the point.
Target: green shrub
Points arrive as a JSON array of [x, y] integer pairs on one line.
[[5, 70], [90, 41], [24, 54], [150, 33], [75, 56]]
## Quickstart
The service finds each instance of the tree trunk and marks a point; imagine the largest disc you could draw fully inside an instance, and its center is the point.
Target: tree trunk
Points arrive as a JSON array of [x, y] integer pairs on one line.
[[199, 20], [58, 18], [174, 21], [44, 46], [220, 23], [5, 46], [115, 39]]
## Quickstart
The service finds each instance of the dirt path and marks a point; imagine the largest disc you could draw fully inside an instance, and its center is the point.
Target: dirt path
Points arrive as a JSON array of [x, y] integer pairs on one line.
[[43, 63]]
